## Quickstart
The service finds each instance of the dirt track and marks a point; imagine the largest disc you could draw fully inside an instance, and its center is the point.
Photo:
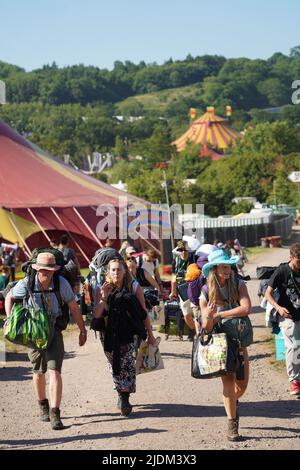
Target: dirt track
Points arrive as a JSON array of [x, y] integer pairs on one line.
[[171, 409]]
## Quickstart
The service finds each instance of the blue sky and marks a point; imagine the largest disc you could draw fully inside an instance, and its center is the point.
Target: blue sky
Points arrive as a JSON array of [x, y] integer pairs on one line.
[[98, 32]]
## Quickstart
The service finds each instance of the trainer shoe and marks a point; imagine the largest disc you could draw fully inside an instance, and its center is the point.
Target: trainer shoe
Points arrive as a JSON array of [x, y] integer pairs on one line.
[[294, 388]]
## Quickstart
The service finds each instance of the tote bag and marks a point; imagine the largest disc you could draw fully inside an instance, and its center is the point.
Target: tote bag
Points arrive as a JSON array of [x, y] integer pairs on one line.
[[148, 358], [209, 355]]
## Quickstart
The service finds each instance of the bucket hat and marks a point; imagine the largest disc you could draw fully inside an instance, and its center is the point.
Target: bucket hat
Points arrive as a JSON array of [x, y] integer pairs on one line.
[[218, 257], [46, 261]]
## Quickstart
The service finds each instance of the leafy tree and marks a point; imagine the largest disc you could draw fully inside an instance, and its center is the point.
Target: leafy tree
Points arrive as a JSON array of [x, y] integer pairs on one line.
[[241, 207], [295, 52]]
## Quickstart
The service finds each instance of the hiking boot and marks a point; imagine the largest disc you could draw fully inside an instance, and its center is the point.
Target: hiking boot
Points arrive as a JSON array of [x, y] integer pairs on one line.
[[44, 410], [233, 430], [294, 388], [125, 406], [56, 423]]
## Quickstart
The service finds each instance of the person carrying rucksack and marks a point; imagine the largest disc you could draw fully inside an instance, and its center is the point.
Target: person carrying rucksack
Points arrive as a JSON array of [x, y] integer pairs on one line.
[[286, 282], [148, 260], [223, 298], [182, 258], [69, 253], [37, 290], [123, 312]]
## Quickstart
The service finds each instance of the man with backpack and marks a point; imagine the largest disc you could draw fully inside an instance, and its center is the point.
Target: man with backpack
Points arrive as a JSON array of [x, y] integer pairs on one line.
[[148, 261], [69, 253], [286, 281], [43, 288], [182, 258]]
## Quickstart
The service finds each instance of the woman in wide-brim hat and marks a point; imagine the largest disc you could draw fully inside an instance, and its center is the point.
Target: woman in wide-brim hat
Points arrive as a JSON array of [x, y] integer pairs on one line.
[[226, 296]]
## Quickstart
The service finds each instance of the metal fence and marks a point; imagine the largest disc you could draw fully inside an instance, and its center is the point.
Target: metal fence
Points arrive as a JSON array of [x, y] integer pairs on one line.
[[248, 231]]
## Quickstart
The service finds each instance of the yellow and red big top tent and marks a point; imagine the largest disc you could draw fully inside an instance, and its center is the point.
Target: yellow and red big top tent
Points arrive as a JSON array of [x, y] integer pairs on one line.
[[208, 129]]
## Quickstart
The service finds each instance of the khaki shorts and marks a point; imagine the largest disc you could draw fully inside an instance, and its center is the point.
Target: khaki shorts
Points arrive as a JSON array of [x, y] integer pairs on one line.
[[49, 359]]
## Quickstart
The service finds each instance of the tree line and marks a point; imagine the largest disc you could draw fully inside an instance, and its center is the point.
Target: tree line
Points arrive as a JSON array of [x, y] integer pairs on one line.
[[73, 111], [240, 82]]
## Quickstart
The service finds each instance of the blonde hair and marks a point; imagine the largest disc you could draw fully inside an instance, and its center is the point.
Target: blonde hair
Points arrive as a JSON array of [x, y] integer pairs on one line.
[[214, 293], [127, 281]]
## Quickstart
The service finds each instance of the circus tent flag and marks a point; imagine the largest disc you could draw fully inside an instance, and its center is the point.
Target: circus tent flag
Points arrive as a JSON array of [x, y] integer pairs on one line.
[[209, 129], [228, 111], [193, 113]]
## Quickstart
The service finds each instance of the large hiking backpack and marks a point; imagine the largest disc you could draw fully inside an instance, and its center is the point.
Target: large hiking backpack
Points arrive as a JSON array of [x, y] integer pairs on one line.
[[99, 263], [64, 271], [59, 258], [265, 272]]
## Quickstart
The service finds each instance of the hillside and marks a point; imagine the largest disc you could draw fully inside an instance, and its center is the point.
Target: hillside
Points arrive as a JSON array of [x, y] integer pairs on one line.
[[160, 101], [72, 110]]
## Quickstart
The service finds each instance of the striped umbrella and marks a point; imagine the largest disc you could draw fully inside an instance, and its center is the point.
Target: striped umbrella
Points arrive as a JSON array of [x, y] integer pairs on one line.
[[208, 129]]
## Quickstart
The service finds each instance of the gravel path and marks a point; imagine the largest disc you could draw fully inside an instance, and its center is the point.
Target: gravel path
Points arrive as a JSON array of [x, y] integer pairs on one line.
[[172, 411]]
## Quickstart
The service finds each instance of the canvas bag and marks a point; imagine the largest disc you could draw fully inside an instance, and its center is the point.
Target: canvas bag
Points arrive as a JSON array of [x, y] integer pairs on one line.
[[209, 355], [148, 358]]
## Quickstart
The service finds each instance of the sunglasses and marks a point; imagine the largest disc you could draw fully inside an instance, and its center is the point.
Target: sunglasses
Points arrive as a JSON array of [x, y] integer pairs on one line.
[[131, 258]]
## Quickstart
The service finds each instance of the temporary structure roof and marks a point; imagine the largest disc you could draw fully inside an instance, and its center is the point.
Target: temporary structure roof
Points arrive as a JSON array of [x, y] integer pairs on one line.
[[208, 129], [40, 193]]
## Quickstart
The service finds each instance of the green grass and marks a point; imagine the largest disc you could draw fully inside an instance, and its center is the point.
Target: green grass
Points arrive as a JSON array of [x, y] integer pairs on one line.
[[256, 251], [158, 101], [172, 329]]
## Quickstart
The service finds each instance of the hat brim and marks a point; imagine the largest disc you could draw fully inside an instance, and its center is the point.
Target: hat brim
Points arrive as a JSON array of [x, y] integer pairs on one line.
[[208, 266], [39, 267]]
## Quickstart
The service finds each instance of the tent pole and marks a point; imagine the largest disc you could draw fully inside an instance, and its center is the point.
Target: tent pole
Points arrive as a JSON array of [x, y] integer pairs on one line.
[[87, 226], [72, 238], [37, 222], [152, 246], [27, 251]]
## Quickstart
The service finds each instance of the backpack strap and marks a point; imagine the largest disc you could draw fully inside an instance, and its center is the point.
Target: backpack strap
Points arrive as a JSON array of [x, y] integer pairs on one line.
[[56, 284], [56, 290]]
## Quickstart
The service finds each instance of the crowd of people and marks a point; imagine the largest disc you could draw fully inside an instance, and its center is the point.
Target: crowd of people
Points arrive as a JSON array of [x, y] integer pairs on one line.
[[208, 282], [9, 259]]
